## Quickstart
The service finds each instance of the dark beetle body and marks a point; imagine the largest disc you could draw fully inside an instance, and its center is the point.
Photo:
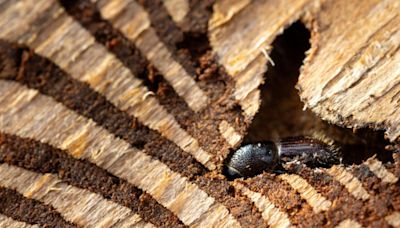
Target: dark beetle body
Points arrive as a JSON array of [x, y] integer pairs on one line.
[[309, 151], [253, 159]]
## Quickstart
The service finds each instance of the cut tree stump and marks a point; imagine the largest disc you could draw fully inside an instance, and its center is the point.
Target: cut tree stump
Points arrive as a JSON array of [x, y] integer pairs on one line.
[[120, 113]]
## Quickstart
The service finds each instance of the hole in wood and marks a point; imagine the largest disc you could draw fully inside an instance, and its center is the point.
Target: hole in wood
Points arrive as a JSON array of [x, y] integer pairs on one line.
[[281, 114]]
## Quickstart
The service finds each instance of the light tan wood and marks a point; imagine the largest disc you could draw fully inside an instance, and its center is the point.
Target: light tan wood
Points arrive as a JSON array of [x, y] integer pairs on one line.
[[394, 219], [273, 216], [229, 133], [178, 9], [77, 205], [74, 49], [241, 35], [11, 223], [380, 171], [352, 184], [348, 223], [133, 21], [351, 74], [307, 192], [26, 113], [350, 77]]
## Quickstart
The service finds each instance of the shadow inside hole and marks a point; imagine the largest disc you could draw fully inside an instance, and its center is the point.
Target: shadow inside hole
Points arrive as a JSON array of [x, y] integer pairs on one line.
[[281, 114]]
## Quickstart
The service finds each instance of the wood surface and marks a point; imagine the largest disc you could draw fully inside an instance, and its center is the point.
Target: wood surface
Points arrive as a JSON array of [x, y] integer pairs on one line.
[[350, 78]]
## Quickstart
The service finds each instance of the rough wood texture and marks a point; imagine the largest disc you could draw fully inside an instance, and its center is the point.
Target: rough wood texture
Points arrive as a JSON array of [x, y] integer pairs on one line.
[[352, 184], [348, 223], [350, 77], [241, 35], [178, 9], [32, 115], [380, 171], [273, 216], [65, 42], [133, 21], [394, 219], [307, 192], [76, 205], [9, 222], [351, 74]]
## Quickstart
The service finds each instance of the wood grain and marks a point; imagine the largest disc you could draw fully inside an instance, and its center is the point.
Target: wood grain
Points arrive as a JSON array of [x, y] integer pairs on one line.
[[26, 113], [351, 74], [76, 205], [73, 49], [350, 77]]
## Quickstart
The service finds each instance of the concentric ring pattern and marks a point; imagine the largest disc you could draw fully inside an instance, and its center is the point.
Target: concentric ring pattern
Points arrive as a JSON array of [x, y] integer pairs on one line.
[[109, 117]]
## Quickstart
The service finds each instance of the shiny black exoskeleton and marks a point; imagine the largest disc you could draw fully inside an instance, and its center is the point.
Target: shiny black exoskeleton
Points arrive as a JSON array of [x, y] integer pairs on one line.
[[253, 159]]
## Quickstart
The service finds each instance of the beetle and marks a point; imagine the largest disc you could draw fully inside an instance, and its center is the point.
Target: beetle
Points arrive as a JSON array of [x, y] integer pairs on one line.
[[252, 159]]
